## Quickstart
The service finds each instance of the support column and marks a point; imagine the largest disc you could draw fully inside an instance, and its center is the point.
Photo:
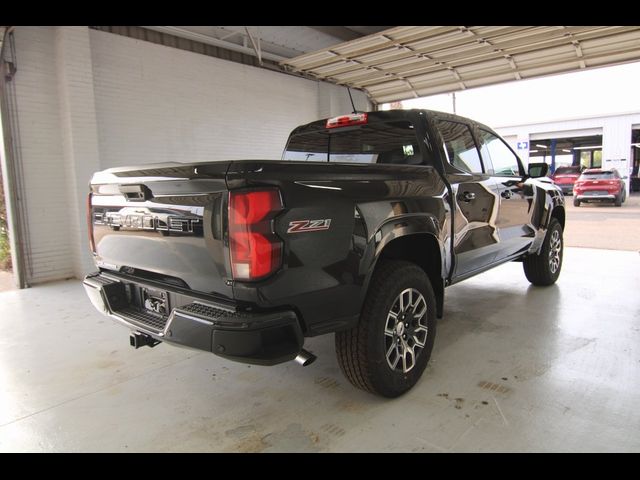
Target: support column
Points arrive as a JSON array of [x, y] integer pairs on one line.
[[576, 158], [79, 132], [9, 155]]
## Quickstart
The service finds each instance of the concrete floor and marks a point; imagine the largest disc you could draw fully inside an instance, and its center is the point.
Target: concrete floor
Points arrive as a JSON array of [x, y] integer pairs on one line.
[[515, 368]]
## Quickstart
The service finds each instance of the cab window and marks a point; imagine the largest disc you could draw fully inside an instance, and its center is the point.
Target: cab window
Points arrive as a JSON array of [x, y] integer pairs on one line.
[[497, 156]]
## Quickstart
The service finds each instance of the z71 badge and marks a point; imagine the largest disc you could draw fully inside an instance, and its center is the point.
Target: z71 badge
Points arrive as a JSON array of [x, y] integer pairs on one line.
[[301, 226]]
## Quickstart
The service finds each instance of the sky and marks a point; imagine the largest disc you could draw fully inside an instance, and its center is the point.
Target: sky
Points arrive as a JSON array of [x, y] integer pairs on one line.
[[588, 93]]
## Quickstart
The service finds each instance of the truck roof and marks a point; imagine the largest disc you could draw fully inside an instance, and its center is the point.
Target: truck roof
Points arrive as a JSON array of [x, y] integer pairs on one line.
[[390, 115]]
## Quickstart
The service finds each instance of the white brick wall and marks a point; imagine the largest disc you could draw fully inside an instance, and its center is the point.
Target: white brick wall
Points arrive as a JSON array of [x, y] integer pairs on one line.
[[91, 100], [156, 104], [42, 155]]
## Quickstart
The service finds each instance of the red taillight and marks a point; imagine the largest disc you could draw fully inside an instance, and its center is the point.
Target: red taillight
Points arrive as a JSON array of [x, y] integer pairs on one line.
[[347, 120], [255, 249], [92, 243]]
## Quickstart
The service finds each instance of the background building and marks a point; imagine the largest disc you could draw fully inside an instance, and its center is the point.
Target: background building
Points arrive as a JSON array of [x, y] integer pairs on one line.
[[611, 141]]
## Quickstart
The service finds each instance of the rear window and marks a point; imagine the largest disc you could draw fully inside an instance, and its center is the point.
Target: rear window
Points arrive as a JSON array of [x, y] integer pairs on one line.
[[567, 170], [598, 176], [379, 142]]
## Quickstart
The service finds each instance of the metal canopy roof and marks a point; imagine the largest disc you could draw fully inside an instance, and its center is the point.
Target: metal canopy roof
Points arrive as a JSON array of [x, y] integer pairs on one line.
[[409, 62], [274, 43]]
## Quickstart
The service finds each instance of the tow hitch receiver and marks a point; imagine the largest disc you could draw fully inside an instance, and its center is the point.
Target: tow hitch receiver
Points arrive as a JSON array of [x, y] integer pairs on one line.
[[137, 340]]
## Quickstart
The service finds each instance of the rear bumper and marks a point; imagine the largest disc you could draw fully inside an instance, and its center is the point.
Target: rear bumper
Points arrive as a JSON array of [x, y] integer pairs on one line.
[[256, 338], [596, 197]]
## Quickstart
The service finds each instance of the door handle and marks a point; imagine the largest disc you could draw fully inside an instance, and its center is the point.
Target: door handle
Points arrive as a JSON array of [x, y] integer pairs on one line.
[[467, 196]]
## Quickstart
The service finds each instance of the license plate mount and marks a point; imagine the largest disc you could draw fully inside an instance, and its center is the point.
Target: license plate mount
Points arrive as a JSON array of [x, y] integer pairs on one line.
[[155, 301]]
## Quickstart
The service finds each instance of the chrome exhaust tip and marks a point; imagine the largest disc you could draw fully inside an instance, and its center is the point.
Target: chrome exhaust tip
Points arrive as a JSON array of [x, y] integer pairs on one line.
[[305, 358]]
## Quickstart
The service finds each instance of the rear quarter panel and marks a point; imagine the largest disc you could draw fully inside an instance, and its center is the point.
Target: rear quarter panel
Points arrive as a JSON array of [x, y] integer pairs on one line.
[[325, 272]]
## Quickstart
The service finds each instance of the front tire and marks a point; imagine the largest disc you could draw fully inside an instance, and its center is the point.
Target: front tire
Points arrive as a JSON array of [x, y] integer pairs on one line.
[[544, 269], [387, 352], [576, 202]]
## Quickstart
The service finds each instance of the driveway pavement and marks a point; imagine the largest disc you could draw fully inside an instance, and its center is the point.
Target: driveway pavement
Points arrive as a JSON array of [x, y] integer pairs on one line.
[[604, 225]]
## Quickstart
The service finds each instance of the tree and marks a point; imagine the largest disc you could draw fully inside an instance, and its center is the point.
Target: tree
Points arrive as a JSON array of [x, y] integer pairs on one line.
[[5, 252]]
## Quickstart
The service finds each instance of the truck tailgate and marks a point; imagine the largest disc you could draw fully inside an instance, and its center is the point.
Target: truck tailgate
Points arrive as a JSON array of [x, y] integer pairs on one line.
[[163, 223]]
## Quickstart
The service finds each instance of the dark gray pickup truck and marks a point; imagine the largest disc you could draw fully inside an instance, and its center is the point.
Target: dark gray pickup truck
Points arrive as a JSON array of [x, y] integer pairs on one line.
[[357, 230]]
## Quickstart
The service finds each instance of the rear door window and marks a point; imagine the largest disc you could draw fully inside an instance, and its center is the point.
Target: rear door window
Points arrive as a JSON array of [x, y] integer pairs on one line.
[[459, 146]]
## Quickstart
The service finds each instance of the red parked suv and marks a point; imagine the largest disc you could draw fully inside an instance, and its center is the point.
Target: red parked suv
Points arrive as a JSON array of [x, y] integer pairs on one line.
[[565, 177], [596, 185]]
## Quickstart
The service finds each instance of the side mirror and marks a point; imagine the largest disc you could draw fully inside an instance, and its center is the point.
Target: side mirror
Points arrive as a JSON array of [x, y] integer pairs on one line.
[[537, 170]]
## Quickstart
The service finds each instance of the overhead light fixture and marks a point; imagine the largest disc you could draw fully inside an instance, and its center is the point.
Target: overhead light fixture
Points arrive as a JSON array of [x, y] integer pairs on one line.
[[587, 148], [565, 150], [533, 151], [541, 146]]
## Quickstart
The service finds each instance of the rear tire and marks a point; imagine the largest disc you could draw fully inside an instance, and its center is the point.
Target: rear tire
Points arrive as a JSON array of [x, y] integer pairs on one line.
[[544, 269], [576, 202], [382, 354], [619, 200]]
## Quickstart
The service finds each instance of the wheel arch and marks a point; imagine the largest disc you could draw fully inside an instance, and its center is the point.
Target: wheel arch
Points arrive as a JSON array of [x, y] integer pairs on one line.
[[422, 249], [559, 214]]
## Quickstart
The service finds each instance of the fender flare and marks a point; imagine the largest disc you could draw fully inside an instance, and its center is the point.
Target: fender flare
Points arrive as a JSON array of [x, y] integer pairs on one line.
[[392, 229]]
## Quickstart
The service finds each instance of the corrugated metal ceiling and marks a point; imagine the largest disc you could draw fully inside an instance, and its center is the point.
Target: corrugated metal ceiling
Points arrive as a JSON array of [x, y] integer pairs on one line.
[[408, 62], [270, 42]]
